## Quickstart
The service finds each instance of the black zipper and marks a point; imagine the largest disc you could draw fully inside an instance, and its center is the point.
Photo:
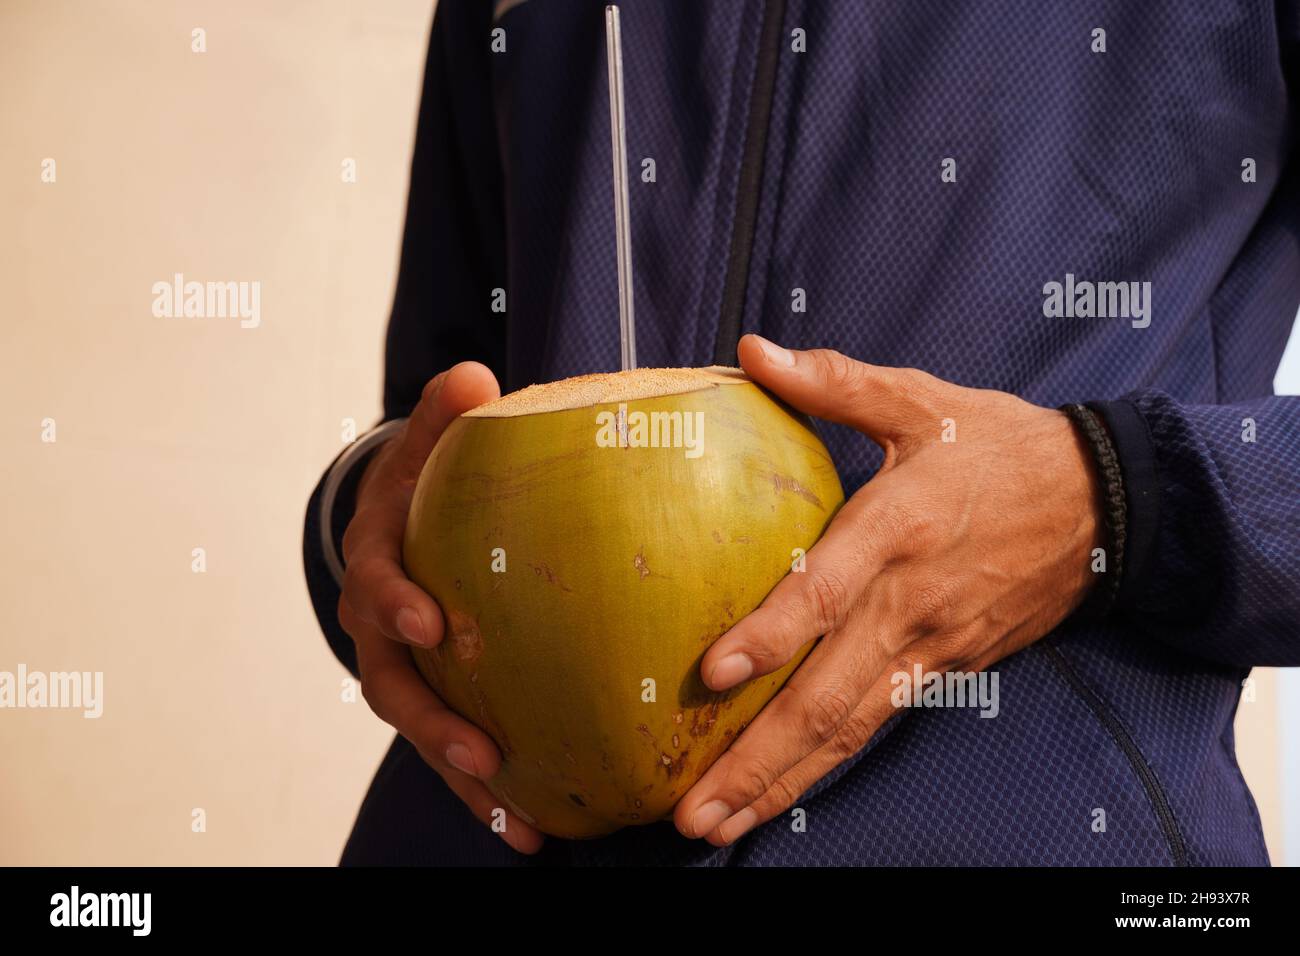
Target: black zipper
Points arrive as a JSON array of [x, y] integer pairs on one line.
[[750, 184], [1155, 792]]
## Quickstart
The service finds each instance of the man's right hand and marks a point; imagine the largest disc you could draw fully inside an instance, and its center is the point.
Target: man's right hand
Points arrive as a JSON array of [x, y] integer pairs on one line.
[[383, 610]]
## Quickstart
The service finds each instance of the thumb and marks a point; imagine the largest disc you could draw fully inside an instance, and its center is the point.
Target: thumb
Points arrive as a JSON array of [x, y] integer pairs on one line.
[[446, 396], [882, 402]]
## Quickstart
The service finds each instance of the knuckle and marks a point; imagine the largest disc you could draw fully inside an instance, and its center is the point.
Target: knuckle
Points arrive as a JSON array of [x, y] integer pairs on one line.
[[783, 792], [356, 530], [429, 742], [828, 598], [932, 604], [752, 781], [826, 712], [950, 651], [370, 517], [351, 581], [432, 387], [922, 391], [793, 621], [838, 371], [896, 525], [350, 536], [768, 655], [906, 662], [347, 617], [380, 471], [367, 573], [923, 402], [917, 383], [853, 736], [916, 529], [374, 699], [902, 663], [391, 597], [358, 581]]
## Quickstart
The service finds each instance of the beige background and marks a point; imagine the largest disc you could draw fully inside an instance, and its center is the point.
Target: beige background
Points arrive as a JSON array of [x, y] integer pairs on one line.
[[175, 434]]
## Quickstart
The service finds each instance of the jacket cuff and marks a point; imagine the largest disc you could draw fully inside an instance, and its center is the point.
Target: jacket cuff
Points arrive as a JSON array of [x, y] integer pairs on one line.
[[321, 583], [1137, 462]]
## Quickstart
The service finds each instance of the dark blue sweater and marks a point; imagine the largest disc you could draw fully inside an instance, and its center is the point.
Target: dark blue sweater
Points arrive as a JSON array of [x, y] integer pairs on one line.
[[1170, 159]]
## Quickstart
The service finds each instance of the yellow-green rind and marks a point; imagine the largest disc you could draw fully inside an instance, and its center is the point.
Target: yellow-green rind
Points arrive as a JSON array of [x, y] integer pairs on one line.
[[622, 565]]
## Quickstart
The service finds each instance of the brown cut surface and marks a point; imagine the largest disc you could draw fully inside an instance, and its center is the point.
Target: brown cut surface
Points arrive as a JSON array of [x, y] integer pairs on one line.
[[603, 388]]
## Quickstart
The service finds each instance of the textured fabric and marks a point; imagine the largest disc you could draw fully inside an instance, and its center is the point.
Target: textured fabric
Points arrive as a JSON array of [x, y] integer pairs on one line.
[[1117, 166]]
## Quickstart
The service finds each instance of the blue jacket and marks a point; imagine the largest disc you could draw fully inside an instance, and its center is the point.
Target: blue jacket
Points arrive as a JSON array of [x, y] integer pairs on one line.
[[922, 175]]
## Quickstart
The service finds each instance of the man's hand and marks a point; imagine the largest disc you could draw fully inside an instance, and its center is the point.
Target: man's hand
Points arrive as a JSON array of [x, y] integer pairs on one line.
[[956, 554], [382, 610]]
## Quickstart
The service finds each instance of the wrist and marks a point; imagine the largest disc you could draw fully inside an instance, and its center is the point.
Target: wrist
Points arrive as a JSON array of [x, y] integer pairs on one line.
[[1106, 561]]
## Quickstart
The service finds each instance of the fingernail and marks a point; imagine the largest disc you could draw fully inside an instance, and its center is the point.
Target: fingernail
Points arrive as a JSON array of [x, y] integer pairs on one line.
[[409, 626], [774, 353], [735, 828], [730, 671], [459, 756], [709, 816]]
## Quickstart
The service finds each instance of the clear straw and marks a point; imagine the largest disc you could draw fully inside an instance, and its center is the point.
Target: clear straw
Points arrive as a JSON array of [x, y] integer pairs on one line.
[[622, 224]]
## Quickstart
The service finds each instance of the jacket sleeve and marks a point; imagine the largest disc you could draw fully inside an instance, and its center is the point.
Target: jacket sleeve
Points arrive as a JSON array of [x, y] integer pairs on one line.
[[1212, 563], [452, 257]]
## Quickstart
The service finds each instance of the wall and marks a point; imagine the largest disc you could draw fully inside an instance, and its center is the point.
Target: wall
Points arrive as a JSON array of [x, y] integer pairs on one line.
[[175, 434]]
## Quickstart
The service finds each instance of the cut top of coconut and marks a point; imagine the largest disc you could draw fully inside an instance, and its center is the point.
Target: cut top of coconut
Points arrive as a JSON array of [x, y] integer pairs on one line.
[[603, 388]]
